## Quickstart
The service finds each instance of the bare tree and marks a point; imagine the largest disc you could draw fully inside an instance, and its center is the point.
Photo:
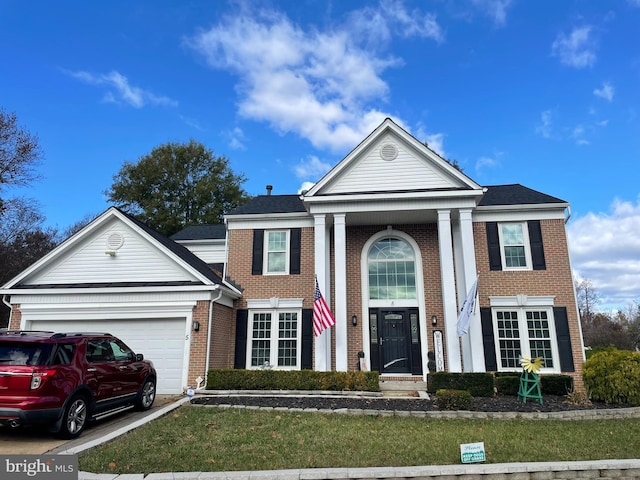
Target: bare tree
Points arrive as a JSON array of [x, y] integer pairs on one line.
[[588, 299]]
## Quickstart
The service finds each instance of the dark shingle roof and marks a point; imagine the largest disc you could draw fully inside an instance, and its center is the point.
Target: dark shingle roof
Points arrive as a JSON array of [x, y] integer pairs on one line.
[[515, 194], [263, 204], [201, 232]]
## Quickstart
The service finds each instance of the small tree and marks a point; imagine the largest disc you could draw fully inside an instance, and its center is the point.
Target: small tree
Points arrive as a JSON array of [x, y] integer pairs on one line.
[[588, 299], [177, 185]]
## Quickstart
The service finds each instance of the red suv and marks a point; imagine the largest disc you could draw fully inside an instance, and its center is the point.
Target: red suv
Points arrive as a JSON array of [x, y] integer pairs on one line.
[[66, 379]]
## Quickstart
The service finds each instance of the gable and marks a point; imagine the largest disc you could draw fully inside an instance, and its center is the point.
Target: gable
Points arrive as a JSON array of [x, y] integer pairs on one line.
[[113, 252], [391, 160], [390, 164]]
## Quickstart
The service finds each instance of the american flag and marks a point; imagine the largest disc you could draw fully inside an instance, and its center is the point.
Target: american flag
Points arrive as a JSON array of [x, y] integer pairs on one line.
[[322, 317]]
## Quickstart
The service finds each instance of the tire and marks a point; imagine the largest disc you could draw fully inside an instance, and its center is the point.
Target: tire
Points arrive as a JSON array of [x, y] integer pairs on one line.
[[74, 418], [147, 394]]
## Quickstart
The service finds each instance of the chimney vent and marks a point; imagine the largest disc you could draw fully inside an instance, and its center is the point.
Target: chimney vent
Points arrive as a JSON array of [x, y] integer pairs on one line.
[[269, 188]]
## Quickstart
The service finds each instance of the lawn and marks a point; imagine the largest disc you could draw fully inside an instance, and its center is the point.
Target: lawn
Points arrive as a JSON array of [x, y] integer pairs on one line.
[[216, 439]]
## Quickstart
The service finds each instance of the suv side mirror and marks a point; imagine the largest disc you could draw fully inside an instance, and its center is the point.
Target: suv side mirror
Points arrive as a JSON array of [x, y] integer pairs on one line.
[[139, 357]]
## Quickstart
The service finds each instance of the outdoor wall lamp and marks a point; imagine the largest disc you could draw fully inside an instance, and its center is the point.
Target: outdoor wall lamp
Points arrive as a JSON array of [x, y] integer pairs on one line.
[[354, 320], [196, 326], [434, 320]]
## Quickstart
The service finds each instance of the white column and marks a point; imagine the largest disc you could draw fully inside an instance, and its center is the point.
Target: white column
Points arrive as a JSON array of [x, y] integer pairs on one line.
[[472, 348], [322, 360], [340, 301], [448, 291]]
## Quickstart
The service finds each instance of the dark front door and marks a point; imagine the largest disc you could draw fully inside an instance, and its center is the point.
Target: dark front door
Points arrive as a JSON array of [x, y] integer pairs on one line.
[[395, 342]]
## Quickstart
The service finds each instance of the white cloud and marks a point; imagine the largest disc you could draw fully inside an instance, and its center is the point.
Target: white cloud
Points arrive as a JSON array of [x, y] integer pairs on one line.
[[546, 123], [576, 49], [607, 91], [311, 167], [486, 163], [435, 142], [305, 186], [578, 134], [316, 84], [494, 9], [236, 138], [120, 91], [605, 248]]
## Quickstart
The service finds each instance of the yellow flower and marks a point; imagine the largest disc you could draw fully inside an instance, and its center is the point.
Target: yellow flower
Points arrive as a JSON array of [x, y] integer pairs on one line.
[[531, 366]]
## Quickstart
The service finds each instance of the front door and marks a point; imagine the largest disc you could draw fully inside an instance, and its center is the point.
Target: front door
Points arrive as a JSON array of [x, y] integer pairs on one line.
[[395, 341]]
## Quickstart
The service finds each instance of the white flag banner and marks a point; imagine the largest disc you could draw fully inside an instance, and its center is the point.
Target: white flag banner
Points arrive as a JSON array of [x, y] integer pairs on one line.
[[467, 309]]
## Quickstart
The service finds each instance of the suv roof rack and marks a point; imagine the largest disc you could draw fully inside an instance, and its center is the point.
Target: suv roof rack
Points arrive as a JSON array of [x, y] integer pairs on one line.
[[77, 334], [25, 332]]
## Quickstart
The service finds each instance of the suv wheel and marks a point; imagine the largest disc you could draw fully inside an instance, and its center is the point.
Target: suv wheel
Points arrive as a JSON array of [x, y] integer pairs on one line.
[[74, 418], [147, 394]]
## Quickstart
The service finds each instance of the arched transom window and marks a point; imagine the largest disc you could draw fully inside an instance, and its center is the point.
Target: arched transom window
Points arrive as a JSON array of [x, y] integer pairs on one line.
[[392, 273]]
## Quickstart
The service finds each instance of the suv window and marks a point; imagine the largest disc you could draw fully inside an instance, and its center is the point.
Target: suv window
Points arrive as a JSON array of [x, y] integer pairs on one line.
[[63, 354], [99, 351], [21, 353], [121, 352]]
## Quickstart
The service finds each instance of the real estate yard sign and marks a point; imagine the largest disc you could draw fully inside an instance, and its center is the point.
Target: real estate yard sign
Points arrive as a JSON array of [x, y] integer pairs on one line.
[[472, 452]]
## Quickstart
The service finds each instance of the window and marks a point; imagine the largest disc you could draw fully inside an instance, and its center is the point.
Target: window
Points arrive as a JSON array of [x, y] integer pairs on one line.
[[276, 253], [525, 332], [392, 274], [274, 339], [514, 243]]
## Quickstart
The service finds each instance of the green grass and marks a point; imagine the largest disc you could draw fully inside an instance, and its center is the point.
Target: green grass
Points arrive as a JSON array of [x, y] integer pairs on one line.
[[213, 439]]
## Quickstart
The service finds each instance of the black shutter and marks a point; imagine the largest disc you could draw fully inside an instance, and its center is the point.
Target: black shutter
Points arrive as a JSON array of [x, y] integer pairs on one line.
[[294, 252], [258, 248], [493, 241], [307, 339], [535, 241], [564, 339], [490, 362], [242, 316]]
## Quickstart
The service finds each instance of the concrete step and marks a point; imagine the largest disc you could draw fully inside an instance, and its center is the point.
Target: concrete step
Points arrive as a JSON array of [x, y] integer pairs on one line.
[[403, 388]]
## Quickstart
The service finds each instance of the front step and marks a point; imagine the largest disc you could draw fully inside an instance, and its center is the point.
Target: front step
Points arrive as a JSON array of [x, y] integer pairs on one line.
[[409, 387]]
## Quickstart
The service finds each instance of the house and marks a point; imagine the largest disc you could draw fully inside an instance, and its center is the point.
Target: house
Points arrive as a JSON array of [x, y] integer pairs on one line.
[[396, 238]]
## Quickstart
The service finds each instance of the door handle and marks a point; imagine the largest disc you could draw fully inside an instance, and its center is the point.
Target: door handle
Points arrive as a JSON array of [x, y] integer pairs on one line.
[[91, 370], [381, 341], [123, 367]]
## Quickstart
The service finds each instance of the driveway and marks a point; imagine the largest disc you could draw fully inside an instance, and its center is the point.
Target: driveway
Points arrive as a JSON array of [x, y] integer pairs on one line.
[[36, 440]]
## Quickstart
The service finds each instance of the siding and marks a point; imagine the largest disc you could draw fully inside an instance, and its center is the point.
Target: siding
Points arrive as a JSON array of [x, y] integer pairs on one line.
[[136, 261]]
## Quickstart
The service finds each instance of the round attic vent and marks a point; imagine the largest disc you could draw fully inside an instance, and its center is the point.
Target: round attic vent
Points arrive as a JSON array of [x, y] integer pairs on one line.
[[115, 241], [388, 152]]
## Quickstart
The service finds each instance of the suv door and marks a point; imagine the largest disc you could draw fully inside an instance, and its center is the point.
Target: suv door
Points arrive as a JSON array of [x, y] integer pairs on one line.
[[129, 375], [102, 373]]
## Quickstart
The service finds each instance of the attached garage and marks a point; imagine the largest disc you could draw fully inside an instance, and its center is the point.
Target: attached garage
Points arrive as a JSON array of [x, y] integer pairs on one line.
[[161, 341], [118, 276]]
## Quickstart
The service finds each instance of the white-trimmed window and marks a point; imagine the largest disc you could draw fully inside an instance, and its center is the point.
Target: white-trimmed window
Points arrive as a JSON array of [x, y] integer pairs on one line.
[[392, 271], [274, 339], [276, 252], [525, 332], [514, 246]]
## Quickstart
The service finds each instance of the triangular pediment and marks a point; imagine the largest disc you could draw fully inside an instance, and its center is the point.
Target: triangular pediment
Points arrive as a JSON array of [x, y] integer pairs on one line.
[[391, 160], [112, 250]]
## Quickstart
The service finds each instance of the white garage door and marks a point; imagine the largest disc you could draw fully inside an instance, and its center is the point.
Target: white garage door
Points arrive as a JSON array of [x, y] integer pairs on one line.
[[159, 340]]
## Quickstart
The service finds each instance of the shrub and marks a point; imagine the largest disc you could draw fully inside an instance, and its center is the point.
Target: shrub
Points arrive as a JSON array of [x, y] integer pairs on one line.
[[477, 384], [507, 384], [453, 400], [613, 376], [556, 384], [237, 379]]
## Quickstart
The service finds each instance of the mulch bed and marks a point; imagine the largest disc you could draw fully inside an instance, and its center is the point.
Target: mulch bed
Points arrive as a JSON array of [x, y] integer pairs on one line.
[[502, 403]]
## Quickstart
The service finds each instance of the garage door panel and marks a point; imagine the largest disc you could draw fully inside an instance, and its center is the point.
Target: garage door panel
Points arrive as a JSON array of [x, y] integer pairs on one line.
[[160, 340]]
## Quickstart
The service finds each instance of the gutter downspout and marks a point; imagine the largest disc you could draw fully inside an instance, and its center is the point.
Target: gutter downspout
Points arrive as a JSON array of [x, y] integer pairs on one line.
[[209, 335], [6, 302]]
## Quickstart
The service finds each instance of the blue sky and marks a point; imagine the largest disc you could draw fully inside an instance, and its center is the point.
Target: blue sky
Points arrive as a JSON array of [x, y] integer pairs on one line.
[[546, 94]]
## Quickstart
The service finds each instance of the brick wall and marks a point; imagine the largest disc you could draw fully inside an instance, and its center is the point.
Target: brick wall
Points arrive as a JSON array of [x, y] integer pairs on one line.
[[556, 280]]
